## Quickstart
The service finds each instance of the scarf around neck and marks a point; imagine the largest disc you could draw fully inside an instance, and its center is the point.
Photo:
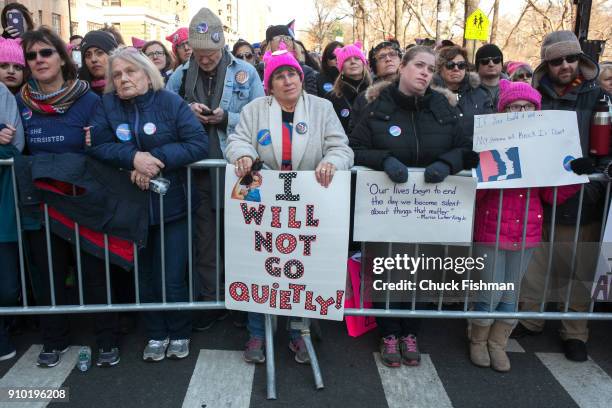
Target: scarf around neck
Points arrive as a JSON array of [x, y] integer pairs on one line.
[[57, 102]]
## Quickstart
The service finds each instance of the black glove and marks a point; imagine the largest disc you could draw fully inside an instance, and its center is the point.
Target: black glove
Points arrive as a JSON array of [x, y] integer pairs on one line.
[[395, 169], [583, 165], [436, 172], [470, 160]]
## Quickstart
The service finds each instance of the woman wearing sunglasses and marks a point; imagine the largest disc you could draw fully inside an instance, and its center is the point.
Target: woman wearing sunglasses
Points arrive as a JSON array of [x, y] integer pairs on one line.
[[161, 57], [465, 87], [244, 50], [55, 108], [329, 69], [519, 71], [271, 124]]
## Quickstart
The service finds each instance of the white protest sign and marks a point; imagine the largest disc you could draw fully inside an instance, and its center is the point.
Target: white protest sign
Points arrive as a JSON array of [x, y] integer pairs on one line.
[[286, 243], [527, 149], [602, 283], [414, 211]]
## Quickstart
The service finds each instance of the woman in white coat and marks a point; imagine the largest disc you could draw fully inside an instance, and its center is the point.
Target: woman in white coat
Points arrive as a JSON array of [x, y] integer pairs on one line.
[[287, 130]]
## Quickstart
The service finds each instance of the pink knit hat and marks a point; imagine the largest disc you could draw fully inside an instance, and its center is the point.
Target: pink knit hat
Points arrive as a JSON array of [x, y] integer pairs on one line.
[[279, 58], [11, 51], [138, 43], [178, 37], [348, 51], [514, 91], [514, 65]]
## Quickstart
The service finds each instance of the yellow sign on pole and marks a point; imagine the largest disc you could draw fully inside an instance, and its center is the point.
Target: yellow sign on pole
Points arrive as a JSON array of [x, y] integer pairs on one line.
[[477, 26]]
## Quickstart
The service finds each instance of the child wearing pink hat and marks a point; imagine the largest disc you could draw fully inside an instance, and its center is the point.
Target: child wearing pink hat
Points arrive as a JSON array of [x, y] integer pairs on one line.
[[12, 64], [354, 78], [488, 337]]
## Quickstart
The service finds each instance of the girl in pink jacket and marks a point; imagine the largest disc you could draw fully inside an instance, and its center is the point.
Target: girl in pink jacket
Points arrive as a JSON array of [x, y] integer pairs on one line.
[[488, 338]]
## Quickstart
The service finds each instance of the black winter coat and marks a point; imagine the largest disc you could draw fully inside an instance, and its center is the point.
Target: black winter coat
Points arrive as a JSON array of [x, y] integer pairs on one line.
[[416, 130], [325, 82], [343, 105]]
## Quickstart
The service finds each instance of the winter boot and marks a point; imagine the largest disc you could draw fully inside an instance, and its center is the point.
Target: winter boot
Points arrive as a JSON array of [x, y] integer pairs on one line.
[[479, 353], [498, 340]]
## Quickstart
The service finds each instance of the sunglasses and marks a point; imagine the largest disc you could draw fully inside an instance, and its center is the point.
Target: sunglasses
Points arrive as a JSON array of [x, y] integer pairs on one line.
[[390, 54], [524, 76], [248, 179], [569, 58], [245, 56], [44, 53], [451, 65], [485, 61]]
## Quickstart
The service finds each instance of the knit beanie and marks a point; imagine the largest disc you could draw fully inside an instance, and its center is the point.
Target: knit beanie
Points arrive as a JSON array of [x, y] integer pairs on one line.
[[11, 51], [273, 31], [514, 65], [138, 42], [178, 37], [348, 51], [206, 31], [99, 39], [559, 44], [514, 91], [278, 59], [489, 51]]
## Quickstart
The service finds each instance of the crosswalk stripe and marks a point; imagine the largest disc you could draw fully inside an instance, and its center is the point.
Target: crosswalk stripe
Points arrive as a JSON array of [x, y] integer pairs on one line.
[[26, 374], [587, 384], [413, 387], [220, 378], [514, 347]]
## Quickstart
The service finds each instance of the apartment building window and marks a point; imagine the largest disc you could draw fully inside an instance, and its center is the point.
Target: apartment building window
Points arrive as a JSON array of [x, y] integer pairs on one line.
[[114, 3], [56, 23], [220, 12], [40, 21], [229, 8], [229, 20], [74, 27], [94, 26]]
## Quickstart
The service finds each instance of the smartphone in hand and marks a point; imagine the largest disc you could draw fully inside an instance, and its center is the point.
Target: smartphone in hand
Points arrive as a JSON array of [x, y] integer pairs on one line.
[[77, 58], [15, 19]]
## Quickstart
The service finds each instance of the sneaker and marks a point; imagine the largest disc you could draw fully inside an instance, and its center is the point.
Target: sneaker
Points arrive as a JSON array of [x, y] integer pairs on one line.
[[50, 357], [8, 355], [575, 350], [299, 348], [178, 349], [240, 319], [108, 357], [207, 318], [254, 353], [409, 350], [155, 350], [521, 331], [389, 351]]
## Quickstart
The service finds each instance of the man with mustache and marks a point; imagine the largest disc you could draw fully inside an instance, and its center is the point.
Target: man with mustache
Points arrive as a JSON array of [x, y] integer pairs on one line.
[[566, 78]]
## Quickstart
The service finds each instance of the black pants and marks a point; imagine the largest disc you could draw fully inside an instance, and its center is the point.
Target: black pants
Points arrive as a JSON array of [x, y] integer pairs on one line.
[[398, 326], [55, 328]]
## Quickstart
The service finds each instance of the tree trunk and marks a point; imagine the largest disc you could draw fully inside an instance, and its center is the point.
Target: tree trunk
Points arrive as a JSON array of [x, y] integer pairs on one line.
[[399, 17], [494, 23], [470, 7], [438, 22]]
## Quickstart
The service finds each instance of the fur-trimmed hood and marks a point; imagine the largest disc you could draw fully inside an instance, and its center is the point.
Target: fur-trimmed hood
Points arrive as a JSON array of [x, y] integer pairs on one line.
[[375, 90]]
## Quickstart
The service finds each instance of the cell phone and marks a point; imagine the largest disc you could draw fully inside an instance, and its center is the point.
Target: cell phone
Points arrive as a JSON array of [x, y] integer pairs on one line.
[[77, 58], [15, 19], [207, 112]]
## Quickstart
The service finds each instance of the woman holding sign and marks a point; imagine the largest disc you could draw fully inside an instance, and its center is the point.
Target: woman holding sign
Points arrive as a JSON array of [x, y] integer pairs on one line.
[[271, 124], [409, 124], [488, 337]]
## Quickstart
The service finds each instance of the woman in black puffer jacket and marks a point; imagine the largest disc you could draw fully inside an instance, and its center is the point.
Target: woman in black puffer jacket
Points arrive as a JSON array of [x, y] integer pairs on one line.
[[407, 123]]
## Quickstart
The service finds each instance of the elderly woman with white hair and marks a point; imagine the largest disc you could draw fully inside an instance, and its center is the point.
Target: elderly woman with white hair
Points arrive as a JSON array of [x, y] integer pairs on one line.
[[141, 127]]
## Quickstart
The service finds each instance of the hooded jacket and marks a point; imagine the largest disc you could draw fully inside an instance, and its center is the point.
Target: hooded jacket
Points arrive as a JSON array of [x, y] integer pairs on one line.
[[416, 130], [343, 105], [581, 99]]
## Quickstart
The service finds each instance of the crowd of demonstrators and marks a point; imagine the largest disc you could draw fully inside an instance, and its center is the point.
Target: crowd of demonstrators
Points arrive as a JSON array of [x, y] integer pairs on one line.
[[135, 96], [285, 111], [353, 79], [401, 115], [146, 112]]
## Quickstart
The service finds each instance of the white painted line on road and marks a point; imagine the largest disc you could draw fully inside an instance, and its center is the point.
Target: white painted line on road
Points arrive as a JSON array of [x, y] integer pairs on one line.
[[26, 374], [586, 383], [413, 387], [514, 347], [221, 378]]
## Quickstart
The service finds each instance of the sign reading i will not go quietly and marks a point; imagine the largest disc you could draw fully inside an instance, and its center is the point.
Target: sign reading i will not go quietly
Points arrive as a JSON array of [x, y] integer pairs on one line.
[[527, 149], [414, 211], [286, 240]]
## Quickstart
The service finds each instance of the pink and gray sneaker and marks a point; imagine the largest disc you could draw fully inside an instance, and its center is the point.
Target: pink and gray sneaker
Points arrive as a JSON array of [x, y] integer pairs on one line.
[[390, 352], [410, 350]]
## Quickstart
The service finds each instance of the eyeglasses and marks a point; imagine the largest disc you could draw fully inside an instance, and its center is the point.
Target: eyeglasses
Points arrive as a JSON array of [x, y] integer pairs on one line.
[[44, 53], [255, 167], [451, 65], [515, 107], [245, 56], [183, 45], [391, 54], [285, 38], [485, 61], [524, 76], [154, 54], [569, 58]]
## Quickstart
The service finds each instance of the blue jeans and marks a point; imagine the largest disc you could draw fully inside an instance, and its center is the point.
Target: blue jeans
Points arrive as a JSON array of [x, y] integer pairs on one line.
[[507, 269], [162, 324], [9, 287], [257, 324]]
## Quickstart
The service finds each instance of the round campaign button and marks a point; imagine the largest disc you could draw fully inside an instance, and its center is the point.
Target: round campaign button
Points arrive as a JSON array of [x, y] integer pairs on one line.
[[263, 137], [123, 132], [567, 162], [395, 130], [345, 113], [149, 128], [327, 86], [301, 128], [202, 28]]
